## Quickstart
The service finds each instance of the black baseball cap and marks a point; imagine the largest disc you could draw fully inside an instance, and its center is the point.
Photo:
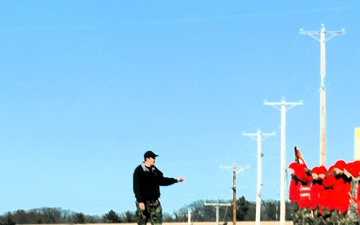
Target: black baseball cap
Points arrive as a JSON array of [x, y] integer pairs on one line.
[[150, 154]]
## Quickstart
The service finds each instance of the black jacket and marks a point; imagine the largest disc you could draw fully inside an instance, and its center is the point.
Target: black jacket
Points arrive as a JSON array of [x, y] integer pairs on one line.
[[147, 182]]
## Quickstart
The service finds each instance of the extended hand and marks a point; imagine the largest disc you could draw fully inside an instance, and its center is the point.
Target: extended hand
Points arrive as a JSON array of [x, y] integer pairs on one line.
[[142, 206], [180, 179]]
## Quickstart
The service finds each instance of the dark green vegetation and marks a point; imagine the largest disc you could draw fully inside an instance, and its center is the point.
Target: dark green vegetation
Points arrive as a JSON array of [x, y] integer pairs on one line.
[[199, 212]]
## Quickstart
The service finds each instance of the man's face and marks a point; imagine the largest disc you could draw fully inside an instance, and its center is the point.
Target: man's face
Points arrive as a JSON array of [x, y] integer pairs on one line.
[[315, 176], [150, 161], [338, 171]]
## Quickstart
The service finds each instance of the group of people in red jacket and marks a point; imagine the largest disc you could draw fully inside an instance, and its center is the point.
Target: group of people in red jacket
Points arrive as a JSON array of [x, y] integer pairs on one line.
[[325, 196]]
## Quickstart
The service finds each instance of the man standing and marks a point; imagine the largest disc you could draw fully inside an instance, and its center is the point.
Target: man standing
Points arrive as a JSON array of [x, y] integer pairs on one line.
[[294, 194], [317, 194], [147, 182], [299, 194]]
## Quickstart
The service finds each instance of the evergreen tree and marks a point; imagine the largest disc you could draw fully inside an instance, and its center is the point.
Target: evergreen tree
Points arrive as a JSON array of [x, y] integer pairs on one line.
[[111, 217]]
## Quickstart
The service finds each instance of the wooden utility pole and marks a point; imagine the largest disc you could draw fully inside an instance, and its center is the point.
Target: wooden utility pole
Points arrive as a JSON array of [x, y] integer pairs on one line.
[[234, 171], [322, 33], [258, 136], [234, 194]]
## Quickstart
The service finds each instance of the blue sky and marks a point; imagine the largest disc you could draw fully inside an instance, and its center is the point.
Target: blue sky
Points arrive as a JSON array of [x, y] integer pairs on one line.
[[86, 87]]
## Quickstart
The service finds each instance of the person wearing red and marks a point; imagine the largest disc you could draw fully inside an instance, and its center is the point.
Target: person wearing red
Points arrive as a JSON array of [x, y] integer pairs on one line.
[[328, 195], [342, 192], [317, 190], [294, 194], [304, 175], [299, 194], [322, 174]]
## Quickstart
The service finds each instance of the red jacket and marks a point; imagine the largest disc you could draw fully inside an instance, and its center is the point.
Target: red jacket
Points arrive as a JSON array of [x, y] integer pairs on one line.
[[304, 191], [305, 186], [294, 190], [300, 185], [294, 186], [342, 192], [317, 191], [328, 195]]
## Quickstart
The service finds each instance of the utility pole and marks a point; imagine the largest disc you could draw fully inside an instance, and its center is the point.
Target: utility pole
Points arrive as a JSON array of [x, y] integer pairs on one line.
[[357, 144], [217, 206], [189, 217], [234, 171], [322, 33], [258, 136], [234, 194], [283, 110]]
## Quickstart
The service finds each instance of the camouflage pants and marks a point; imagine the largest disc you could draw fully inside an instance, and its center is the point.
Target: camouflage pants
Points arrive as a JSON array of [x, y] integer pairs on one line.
[[319, 219], [152, 213], [301, 216], [296, 214], [308, 218], [342, 219], [348, 220], [353, 212], [327, 216]]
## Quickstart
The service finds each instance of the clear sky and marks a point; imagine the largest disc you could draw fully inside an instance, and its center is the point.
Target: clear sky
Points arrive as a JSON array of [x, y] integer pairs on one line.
[[86, 87]]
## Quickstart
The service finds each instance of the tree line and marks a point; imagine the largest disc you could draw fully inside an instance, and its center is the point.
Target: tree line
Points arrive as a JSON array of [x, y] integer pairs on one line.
[[245, 211]]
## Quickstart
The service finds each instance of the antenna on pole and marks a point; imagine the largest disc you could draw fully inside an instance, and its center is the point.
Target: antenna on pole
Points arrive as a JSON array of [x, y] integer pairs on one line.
[[258, 136], [235, 171], [283, 109], [322, 33]]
